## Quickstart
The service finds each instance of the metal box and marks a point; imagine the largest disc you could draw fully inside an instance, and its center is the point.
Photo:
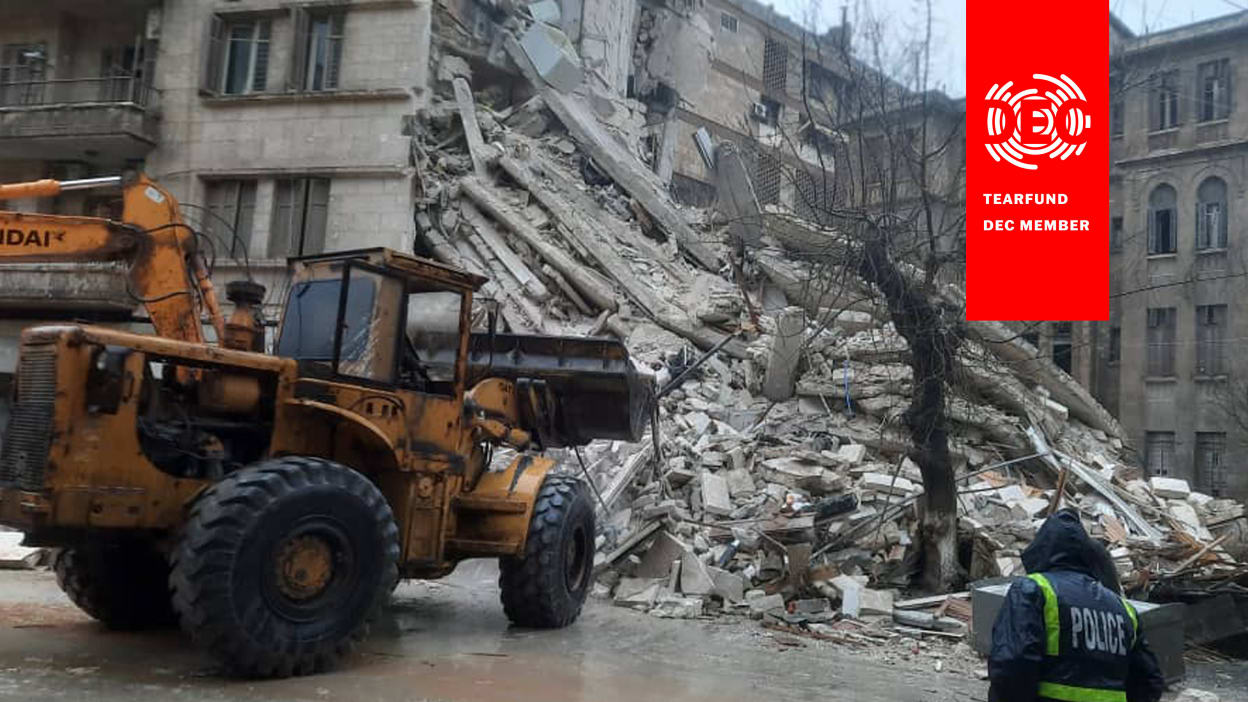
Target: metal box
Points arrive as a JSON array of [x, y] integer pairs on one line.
[[1162, 623]]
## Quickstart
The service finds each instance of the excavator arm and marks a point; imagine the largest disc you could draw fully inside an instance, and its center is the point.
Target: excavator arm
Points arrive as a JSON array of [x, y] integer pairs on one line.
[[166, 273]]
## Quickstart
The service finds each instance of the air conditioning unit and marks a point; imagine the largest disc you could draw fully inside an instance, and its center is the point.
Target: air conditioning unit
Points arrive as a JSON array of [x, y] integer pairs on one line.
[[760, 112]]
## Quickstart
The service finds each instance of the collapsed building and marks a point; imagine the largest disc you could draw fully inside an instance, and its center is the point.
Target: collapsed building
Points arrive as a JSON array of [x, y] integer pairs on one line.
[[652, 171]]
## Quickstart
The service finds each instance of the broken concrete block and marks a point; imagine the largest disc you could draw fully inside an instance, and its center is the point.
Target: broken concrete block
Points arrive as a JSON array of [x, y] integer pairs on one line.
[[793, 473], [851, 454], [698, 421], [851, 600], [639, 593], [15, 556], [761, 605], [695, 578], [887, 484], [715, 497], [713, 459], [1169, 488], [657, 562], [679, 474], [740, 482], [674, 607], [737, 459], [729, 586], [1011, 494], [1009, 566], [554, 57], [830, 482], [546, 11], [1186, 514], [786, 352], [1033, 507], [875, 601], [811, 606]]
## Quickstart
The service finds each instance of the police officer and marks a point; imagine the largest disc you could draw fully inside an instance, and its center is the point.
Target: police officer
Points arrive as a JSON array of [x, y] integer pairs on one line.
[[1062, 635]]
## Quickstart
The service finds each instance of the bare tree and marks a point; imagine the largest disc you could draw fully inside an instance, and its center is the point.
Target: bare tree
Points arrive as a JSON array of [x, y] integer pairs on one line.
[[875, 160]]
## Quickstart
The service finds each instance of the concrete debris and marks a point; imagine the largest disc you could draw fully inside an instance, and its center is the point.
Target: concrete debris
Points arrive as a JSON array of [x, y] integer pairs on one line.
[[15, 556], [786, 487]]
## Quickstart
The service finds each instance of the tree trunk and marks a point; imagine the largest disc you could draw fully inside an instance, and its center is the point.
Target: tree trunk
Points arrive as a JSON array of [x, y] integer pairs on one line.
[[933, 342]]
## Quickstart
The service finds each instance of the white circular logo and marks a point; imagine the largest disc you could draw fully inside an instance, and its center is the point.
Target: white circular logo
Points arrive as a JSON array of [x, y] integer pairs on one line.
[[1047, 118]]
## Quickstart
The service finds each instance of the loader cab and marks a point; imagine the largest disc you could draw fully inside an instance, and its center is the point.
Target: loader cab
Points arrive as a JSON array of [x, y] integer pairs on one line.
[[379, 317]]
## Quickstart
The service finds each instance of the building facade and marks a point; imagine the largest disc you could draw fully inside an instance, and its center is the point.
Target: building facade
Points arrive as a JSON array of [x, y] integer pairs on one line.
[[1166, 363], [281, 127]]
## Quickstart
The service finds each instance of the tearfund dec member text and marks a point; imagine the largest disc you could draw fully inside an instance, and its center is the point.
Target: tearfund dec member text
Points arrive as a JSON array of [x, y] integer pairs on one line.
[[1029, 200]]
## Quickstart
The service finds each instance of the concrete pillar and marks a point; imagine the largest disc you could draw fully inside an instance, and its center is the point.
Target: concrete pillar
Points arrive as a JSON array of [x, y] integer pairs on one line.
[[666, 157], [786, 351]]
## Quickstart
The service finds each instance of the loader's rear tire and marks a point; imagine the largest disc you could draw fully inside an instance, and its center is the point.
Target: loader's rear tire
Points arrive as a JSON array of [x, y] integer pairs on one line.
[[546, 588], [283, 566], [125, 585]]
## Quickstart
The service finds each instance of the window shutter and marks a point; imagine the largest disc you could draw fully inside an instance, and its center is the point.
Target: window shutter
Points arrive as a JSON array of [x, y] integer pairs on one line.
[[317, 218], [299, 51], [333, 59], [1202, 231], [283, 219], [260, 71], [1152, 231], [213, 55]]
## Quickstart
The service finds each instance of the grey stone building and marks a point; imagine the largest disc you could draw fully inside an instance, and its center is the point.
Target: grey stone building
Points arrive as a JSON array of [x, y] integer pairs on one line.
[[1166, 363], [278, 125]]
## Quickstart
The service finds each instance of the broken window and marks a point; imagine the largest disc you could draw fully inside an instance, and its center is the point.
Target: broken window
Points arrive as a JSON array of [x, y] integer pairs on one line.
[[767, 179], [1211, 214], [1162, 220], [300, 216], [1210, 466], [1061, 352], [1115, 344], [238, 56], [728, 22], [1159, 452], [1213, 80], [232, 209], [1210, 339], [1164, 101], [775, 67], [1161, 328], [1115, 234]]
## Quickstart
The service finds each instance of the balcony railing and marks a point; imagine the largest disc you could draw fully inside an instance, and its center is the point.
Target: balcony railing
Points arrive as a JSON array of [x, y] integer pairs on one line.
[[62, 91]]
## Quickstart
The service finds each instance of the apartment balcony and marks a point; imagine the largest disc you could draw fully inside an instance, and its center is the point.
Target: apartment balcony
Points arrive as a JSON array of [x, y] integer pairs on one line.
[[96, 120]]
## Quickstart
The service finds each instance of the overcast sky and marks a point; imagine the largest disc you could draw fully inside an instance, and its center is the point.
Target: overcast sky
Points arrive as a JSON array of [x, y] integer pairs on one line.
[[904, 18]]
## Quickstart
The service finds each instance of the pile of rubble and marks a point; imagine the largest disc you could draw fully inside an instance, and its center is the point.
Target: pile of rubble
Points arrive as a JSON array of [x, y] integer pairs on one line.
[[782, 489]]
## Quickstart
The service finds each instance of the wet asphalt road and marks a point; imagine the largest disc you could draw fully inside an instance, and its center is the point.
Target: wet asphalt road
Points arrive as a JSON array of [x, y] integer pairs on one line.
[[448, 640]]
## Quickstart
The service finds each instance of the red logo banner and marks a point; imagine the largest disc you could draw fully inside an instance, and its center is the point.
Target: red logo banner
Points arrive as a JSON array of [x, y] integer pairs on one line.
[[1037, 161]]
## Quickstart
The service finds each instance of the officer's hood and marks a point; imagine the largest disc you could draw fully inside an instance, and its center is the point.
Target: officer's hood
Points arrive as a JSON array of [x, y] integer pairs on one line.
[[1062, 544]]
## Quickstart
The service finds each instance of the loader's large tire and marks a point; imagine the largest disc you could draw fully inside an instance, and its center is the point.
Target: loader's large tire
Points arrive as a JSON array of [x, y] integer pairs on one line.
[[546, 588], [125, 585], [283, 566]]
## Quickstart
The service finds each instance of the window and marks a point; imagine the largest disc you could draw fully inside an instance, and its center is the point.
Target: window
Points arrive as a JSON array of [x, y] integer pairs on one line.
[[728, 22], [432, 329], [308, 326], [22, 70], [767, 179], [232, 208], [1159, 452], [237, 56], [1161, 327], [1164, 101], [1210, 467], [1061, 352], [1213, 81], [324, 52], [775, 67], [1032, 338], [1115, 344], [1211, 214], [1115, 234], [1210, 339], [300, 215], [1162, 224]]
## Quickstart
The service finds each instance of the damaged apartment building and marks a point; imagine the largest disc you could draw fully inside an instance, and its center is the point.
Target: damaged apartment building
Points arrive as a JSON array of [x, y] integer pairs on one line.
[[660, 71]]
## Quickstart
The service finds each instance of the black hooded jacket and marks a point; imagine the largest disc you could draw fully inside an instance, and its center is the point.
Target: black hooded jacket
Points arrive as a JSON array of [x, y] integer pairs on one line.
[[1098, 649]]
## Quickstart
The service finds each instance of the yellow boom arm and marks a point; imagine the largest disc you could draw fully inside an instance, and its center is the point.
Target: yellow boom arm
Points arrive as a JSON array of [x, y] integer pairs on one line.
[[166, 273]]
